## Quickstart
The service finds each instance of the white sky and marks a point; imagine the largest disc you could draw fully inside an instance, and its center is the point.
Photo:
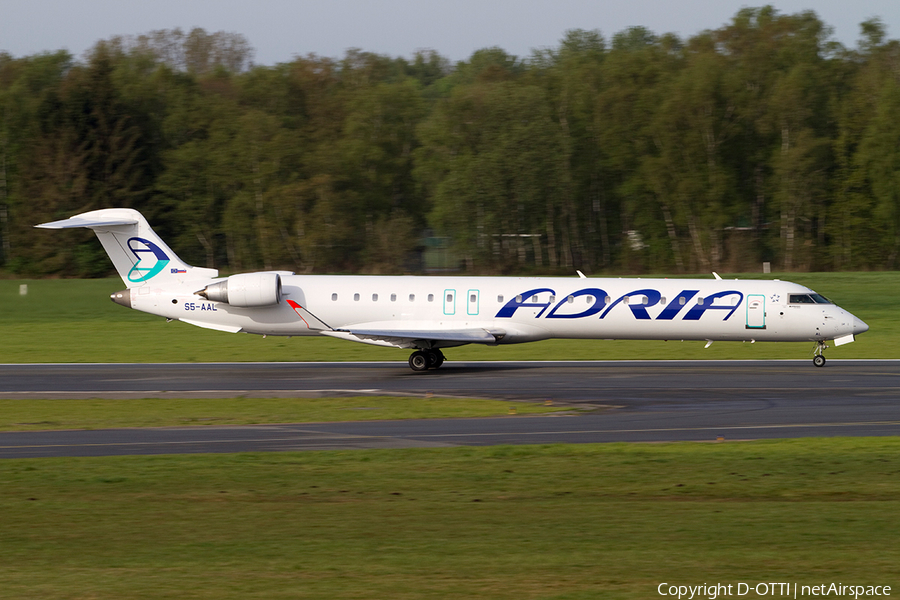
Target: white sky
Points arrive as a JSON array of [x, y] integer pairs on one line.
[[281, 29]]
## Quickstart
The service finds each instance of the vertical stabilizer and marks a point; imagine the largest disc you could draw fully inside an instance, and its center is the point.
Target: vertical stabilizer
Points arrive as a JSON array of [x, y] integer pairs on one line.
[[138, 254]]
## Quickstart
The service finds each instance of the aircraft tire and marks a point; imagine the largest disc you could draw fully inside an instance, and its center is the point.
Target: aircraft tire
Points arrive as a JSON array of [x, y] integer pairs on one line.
[[418, 361], [819, 360], [435, 358]]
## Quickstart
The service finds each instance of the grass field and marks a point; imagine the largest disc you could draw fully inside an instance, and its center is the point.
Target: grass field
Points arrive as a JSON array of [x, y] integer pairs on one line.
[[36, 414], [74, 321], [549, 522]]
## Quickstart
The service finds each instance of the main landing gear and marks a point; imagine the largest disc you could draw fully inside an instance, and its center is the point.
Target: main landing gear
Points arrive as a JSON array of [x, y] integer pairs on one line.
[[819, 358], [421, 360]]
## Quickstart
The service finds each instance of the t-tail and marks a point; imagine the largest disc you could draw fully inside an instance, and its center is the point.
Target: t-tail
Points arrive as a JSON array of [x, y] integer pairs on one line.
[[139, 255]]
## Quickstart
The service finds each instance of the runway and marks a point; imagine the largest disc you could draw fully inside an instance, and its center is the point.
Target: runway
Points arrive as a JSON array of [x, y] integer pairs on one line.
[[629, 401]]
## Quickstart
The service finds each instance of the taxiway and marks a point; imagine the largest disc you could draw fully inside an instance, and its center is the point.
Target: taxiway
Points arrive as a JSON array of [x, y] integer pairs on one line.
[[626, 401]]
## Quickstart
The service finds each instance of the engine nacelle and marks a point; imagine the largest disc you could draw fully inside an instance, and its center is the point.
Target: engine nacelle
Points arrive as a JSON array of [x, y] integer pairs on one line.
[[245, 290]]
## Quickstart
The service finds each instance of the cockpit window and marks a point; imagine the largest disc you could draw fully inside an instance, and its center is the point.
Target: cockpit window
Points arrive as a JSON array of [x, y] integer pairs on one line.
[[809, 299]]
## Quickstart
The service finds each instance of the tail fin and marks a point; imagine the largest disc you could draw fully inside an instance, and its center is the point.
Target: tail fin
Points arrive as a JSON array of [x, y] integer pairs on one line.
[[138, 254]]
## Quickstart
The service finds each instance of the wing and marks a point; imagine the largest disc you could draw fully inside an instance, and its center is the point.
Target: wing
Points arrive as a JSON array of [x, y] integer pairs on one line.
[[419, 338]]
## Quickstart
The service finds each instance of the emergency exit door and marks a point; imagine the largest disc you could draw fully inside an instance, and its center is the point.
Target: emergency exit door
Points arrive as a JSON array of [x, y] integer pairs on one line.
[[472, 303], [449, 302]]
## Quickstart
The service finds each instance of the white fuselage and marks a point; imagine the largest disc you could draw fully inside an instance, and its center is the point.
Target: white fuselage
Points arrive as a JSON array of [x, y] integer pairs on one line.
[[429, 313], [522, 309]]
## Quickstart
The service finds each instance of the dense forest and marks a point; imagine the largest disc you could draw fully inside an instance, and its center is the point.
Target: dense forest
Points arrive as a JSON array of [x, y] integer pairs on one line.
[[763, 140]]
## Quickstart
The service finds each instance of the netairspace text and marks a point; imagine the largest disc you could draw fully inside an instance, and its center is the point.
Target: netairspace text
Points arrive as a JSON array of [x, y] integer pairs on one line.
[[769, 589]]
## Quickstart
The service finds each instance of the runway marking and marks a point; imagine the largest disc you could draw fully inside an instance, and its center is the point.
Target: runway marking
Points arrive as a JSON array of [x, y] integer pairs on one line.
[[493, 362], [216, 391], [662, 430], [210, 394], [388, 392]]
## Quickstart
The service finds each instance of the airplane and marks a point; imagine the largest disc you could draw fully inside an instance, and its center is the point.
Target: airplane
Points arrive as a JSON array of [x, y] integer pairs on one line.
[[426, 314]]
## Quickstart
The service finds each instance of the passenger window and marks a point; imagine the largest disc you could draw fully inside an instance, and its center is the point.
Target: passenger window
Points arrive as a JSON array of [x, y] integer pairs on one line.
[[646, 301], [519, 298], [449, 297], [552, 299], [393, 297], [570, 299], [374, 297], [431, 297], [700, 301], [681, 300], [608, 299], [334, 297], [534, 298], [500, 298], [472, 298], [662, 299], [412, 297], [626, 300], [356, 297]]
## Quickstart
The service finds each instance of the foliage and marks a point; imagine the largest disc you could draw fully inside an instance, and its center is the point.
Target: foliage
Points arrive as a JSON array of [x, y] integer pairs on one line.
[[762, 140]]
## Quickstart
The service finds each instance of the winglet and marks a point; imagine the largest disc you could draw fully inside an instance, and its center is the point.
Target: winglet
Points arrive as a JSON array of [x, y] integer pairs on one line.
[[313, 322]]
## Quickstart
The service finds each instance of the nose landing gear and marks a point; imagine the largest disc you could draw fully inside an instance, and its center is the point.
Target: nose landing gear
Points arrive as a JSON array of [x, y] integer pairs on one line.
[[819, 358], [422, 360]]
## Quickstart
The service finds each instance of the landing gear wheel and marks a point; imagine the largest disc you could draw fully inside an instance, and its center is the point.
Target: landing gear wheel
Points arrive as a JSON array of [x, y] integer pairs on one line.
[[819, 358], [418, 361], [435, 358]]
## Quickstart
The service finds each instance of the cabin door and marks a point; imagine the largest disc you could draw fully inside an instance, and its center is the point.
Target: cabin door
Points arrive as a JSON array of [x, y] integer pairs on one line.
[[756, 311]]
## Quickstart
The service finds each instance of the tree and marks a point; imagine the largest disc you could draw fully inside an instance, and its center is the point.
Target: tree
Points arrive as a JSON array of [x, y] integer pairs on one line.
[[492, 159], [573, 77], [880, 160]]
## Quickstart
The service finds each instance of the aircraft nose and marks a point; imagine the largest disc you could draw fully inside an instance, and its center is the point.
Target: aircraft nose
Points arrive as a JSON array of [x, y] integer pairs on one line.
[[859, 326]]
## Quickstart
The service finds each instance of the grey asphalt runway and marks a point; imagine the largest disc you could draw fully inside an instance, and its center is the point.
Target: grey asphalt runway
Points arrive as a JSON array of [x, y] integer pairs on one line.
[[630, 401]]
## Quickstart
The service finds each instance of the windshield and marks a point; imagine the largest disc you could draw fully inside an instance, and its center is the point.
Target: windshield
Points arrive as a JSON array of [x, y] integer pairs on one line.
[[809, 299]]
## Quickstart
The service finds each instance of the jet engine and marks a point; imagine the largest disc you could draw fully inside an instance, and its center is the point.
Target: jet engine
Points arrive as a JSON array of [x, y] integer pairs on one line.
[[245, 290]]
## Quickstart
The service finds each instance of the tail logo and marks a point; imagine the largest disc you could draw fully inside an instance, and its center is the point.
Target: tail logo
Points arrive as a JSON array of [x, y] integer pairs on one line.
[[151, 260]]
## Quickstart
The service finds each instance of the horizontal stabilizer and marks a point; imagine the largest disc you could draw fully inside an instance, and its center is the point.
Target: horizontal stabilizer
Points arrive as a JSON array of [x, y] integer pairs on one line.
[[80, 221]]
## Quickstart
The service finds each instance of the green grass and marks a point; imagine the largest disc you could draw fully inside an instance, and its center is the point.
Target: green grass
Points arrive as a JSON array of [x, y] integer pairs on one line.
[[31, 414], [529, 522], [74, 321]]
